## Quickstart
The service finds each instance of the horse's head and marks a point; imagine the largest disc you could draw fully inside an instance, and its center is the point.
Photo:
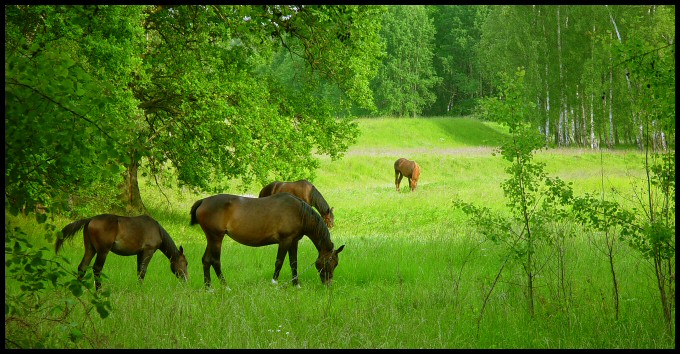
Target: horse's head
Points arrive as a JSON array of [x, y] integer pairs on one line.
[[415, 176], [326, 264], [329, 219], [179, 265]]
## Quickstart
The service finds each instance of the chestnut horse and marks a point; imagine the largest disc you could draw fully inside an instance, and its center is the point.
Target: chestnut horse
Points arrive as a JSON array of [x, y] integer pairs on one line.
[[124, 236], [278, 219], [306, 191], [408, 168]]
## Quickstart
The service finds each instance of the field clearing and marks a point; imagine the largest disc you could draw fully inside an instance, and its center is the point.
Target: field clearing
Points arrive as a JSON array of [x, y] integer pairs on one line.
[[414, 273]]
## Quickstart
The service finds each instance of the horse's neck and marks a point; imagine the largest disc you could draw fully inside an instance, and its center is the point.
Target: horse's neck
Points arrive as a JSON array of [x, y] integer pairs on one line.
[[168, 246], [319, 234], [318, 202]]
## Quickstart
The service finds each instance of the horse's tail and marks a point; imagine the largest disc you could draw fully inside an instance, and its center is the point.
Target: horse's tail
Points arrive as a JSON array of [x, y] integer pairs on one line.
[[69, 230], [194, 221]]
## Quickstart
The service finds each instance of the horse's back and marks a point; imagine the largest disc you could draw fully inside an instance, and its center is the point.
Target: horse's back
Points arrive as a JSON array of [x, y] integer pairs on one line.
[[301, 189], [404, 166], [124, 235]]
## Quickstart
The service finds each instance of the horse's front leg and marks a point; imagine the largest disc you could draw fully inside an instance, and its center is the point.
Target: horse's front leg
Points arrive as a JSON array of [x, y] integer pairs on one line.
[[280, 256], [143, 260], [292, 258]]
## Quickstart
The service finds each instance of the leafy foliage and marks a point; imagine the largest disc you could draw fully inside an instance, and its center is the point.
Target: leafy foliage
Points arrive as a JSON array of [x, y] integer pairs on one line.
[[93, 90], [34, 318], [405, 81], [65, 99], [535, 199]]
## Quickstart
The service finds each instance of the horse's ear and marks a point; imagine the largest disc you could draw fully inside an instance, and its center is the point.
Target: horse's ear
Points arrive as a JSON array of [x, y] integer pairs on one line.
[[339, 249], [181, 250]]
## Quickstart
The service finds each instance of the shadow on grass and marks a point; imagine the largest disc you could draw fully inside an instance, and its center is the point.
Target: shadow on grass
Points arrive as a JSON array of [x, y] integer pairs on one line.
[[470, 131]]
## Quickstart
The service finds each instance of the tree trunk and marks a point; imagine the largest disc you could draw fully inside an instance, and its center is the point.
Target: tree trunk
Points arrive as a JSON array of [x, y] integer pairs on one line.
[[634, 117], [561, 129], [611, 101], [593, 142], [129, 190]]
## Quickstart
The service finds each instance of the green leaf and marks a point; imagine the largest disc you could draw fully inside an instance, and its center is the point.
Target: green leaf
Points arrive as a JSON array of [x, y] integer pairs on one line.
[[76, 288], [40, 218]]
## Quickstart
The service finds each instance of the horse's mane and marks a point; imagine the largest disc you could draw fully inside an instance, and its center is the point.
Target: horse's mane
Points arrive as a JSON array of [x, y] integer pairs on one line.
[[318, 201], [168, 246], [416, 171], [315, 227]]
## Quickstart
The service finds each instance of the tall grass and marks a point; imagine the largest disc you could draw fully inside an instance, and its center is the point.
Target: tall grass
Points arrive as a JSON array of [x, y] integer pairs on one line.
[[413, 273]]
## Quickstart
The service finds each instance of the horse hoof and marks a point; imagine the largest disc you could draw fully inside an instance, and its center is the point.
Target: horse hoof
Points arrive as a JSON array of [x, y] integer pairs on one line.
[[274, 282]]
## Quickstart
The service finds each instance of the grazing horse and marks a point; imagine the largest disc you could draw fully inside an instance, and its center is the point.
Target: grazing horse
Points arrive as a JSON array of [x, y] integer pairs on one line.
[[124, 236], [278, 219], [408, 168], [306, 191]]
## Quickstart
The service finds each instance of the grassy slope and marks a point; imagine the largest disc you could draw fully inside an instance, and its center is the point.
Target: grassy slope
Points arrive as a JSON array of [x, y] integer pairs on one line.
[[412, 275]]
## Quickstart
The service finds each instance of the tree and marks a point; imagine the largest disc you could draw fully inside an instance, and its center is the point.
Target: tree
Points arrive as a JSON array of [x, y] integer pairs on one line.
[[535, 199], [406, 79], [67, 102], [193, 87], [456, 38], [583, 95]]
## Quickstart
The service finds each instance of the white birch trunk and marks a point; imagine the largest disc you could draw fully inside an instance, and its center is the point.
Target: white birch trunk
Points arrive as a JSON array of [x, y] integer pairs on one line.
[[593, 141], [611, 100], [561, 123], [583, 120], [634, 116], [547, 106], [572, 134]]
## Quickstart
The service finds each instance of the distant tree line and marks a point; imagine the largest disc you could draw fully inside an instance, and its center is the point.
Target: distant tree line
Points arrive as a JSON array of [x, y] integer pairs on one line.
[[588, 68]]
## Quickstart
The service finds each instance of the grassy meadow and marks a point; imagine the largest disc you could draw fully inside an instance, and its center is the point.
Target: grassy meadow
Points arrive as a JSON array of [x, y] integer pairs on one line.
[[413, 274]]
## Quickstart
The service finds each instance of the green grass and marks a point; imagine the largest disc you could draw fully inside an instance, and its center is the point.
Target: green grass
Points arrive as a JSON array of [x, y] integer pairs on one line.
[[413, 274]]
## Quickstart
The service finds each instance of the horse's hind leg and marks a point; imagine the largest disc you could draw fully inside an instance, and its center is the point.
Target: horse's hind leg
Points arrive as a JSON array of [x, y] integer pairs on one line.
[[397, 178], [211, 257], [97, 268], [85, 262], [88, 255]]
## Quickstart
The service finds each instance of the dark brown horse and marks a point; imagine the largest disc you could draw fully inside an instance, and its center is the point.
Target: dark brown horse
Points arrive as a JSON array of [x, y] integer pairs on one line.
[[408, 168], [124, 236], [278, 219], [306, 191]]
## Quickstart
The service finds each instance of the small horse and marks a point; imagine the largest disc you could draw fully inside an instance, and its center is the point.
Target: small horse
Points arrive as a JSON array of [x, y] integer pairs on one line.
[[306, 191], [408, 168], [278, 219], [124, 236]]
